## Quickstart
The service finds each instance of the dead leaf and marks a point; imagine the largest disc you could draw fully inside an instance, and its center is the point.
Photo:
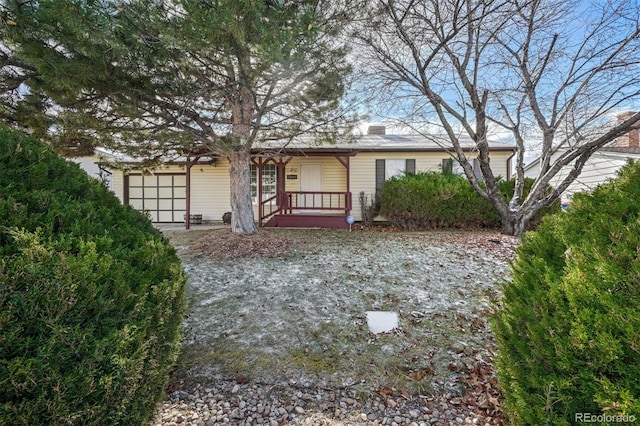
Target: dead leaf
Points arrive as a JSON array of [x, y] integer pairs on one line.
[[386, 392], [416, 375], [494, 401]]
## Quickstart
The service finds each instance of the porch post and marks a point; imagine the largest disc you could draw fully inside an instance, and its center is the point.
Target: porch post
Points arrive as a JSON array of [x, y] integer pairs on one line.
[[283, 202], [280, 182], [259, 165], [347, 164], [187, 219]]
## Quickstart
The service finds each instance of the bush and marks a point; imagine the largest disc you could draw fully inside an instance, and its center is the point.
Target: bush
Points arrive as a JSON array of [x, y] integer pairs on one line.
[[434, 200], [369, 208], [568, 330], [444, 200], [91, 296]]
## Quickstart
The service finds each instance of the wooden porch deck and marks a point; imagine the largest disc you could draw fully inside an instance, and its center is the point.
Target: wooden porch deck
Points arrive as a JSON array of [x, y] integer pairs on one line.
[[306, 210], [308, 221]]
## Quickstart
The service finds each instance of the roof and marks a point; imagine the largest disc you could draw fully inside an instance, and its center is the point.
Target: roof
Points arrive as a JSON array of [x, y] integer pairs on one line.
[[383, 143], [308, 145], [607, 151], [633, 150]]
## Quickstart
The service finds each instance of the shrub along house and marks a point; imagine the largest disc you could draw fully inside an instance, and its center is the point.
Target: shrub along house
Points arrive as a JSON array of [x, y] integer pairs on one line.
[[300, 185]]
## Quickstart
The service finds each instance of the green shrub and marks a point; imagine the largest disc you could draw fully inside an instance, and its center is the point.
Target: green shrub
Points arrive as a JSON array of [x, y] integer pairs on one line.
[[91, 296], [568, 329], [444, 200], [434, 200]]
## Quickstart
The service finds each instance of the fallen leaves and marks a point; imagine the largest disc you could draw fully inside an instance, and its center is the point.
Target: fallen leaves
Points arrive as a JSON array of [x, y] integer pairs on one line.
[[223, 244], [421, 374], [482, 392], [443, 322]]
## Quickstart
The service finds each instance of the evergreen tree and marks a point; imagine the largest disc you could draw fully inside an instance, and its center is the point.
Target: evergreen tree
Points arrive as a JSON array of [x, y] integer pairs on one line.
[[189, 78]]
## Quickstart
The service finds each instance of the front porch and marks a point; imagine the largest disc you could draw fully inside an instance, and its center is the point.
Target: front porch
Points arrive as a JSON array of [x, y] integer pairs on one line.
[[298, 209], [295, 203]]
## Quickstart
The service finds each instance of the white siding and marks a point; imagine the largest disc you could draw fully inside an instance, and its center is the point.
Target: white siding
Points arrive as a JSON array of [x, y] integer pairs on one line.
[[210, 193], [363, 169], [90, 166], [600, 168], [117, 184], [210, 184]]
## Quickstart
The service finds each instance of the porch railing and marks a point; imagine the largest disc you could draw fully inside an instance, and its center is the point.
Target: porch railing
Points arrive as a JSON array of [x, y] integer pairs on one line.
[[300, 202], [269, 207]]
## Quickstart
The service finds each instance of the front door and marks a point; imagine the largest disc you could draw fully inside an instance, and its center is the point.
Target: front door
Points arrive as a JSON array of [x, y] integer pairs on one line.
[[310, 181]]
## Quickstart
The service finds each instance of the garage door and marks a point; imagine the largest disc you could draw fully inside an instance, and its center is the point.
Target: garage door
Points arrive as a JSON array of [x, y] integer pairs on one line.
[[162, 196]]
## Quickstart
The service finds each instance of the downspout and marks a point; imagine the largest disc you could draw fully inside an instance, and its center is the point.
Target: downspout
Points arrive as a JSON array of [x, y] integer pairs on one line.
[[349, 198]]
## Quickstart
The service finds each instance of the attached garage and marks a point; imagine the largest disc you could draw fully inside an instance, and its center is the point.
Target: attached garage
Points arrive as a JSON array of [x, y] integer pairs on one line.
[[162, 195]]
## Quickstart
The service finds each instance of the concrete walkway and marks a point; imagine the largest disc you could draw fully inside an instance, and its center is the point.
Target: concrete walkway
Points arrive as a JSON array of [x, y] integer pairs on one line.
[[178, 227]]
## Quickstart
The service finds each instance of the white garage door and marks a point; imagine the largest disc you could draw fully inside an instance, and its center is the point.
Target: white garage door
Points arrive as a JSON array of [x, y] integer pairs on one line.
[[162, 196]]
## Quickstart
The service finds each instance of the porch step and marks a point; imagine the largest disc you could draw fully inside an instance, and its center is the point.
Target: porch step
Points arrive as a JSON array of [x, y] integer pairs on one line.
[[308, 221]]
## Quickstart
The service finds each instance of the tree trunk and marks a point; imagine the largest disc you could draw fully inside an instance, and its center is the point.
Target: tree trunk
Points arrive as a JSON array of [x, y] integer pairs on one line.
[[242, 220], [513, 226], [515, 222]]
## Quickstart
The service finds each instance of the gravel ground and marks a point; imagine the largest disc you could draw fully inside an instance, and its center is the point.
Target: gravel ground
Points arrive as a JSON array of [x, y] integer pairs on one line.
[[250, 404], [210, 394]]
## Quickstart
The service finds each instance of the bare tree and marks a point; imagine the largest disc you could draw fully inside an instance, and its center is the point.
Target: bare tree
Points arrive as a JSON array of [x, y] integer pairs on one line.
[[556, 72]]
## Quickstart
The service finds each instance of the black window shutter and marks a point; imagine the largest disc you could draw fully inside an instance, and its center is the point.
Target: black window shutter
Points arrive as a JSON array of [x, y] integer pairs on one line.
[[410, 166], [447, 165], [126, 189], [380, 171]]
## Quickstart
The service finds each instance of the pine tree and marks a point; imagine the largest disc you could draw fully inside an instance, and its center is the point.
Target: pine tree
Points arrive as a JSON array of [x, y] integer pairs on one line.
[[186, 78]]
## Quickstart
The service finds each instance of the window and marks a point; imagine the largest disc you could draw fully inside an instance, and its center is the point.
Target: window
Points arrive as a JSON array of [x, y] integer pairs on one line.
[[386, 169], [450, 165], [394, 168], [269, 181]]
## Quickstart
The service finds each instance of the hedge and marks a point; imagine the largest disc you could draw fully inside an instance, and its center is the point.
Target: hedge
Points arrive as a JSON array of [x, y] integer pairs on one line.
[[568, 330], [91, 296], [443, 200]]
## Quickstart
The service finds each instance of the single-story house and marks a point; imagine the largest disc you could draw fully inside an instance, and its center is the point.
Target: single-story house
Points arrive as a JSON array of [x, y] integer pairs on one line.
[[602, 167], [301, 184]]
